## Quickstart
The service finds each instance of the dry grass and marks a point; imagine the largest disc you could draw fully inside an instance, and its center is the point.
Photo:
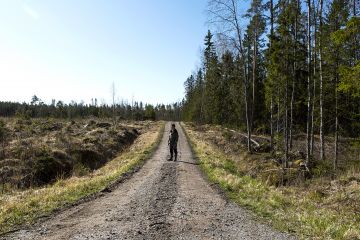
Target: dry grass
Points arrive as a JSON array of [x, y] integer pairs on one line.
[[24, 207], [320, 209], [36, 152]]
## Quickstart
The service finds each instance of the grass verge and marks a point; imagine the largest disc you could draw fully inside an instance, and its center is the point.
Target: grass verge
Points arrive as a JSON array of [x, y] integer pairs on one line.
[[24, 207], [308, 214]]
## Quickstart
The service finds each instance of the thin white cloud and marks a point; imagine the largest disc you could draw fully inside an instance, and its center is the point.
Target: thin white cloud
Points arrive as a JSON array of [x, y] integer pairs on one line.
[[31, 12]]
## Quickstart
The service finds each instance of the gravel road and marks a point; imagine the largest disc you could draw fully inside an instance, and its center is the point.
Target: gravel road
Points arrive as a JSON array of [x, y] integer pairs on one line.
[[163, 200]]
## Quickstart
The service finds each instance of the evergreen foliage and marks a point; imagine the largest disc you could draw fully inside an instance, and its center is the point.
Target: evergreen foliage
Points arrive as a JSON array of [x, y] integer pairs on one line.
[[281, 55], [137, 111]]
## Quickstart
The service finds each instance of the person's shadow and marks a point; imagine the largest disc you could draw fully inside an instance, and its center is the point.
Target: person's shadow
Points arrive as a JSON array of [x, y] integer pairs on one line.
[[188, 162]]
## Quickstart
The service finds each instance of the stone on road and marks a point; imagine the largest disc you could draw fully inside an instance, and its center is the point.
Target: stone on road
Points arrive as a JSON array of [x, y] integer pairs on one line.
[[163, 200]]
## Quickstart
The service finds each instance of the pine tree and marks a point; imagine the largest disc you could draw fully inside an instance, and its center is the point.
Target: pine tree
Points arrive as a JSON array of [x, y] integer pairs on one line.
[[211, 91], [227, 108], [336, 19], [254, 36]]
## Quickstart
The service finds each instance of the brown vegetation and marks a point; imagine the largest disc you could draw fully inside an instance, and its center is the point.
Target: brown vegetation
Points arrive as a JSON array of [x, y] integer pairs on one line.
[[268, 165], [39, 151], [323, 204]]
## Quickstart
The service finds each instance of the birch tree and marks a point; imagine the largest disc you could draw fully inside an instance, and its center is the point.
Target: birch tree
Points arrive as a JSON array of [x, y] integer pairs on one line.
[[272, 89], [297, 12], [322, 142], [225, 14], [308, 120], [113, 95]]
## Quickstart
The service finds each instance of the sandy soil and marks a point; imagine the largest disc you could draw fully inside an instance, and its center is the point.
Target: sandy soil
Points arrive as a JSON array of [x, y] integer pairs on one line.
[[164, 200]]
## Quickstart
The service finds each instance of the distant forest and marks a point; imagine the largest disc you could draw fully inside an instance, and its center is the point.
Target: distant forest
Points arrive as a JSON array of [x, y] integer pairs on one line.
[[58, 109], [282, 68]]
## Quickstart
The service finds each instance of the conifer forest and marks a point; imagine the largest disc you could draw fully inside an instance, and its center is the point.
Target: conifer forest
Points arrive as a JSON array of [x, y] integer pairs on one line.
[[293, 69]]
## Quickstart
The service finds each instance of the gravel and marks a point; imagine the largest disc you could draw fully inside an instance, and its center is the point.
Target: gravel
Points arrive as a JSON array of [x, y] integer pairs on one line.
[[164, 200]]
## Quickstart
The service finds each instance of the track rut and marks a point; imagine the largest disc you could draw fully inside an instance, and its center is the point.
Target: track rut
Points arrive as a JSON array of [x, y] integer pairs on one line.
[[163, 200]]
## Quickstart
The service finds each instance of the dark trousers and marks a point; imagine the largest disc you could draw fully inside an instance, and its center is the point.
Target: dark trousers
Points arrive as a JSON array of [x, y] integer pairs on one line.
[[173, 149]]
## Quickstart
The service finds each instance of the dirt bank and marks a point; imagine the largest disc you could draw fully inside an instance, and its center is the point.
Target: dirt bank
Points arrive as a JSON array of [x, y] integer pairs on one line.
[[164, 200]]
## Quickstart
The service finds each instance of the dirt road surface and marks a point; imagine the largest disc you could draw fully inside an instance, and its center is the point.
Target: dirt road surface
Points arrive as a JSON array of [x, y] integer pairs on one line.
[[164, 200]]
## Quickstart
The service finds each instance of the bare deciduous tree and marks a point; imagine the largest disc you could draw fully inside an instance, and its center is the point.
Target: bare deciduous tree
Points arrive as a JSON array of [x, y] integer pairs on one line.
[[113, 95], [272, 90], [294, 75], [312, 138], [322, 149], [225, 14], [308, 121]]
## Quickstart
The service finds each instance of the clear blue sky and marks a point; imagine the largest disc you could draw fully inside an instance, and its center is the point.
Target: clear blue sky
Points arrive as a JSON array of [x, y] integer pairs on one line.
[[74, 50]]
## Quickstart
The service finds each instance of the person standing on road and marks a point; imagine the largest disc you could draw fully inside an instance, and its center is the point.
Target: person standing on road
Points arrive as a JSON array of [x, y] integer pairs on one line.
[[173, 139]]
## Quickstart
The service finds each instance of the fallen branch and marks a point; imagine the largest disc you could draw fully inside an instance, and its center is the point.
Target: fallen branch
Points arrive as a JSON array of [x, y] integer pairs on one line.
[[280, 169], [252, 140]]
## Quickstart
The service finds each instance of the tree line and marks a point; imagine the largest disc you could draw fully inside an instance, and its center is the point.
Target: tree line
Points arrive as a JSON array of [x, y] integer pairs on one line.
[[58, 109], [282, 68]]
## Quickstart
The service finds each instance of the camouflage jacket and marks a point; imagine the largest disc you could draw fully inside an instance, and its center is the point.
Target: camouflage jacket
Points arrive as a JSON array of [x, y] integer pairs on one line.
[[173, 137]]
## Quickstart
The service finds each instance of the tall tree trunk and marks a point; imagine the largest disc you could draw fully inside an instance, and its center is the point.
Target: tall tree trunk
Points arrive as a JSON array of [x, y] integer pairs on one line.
[[312, 142], [254, 77], [294, 78], [248, 124], [272, 87], [292, 108], [286, 127], [322, 143], [113, 93], [201, 104], [336, 125], [308, 122], [250, 103], [271, 122], [278, 112], [286, 118], [234, 13]]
